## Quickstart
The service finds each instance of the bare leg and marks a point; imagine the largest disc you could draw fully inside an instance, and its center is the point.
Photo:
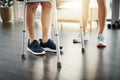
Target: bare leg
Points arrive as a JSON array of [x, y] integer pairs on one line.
[[101, 14], [46, 43], [101, 20], [31, 8], [46, 18], [85, 13]]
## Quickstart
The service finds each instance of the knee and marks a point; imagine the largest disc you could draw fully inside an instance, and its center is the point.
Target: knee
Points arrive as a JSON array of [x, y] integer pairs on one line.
[[46, 5], [32, 6], [102, 4]]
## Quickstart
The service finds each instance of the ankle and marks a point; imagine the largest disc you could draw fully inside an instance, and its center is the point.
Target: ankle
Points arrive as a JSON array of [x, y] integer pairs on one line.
[[31, 40], [44, 40]]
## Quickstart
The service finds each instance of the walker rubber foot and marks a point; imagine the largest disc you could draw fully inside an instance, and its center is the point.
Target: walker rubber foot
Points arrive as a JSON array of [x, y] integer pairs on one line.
[[23, 56], [59, 65], [83, 50]]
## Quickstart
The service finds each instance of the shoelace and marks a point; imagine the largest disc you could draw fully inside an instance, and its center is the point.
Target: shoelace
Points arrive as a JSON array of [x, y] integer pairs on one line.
[[36, 44], [100, 38]]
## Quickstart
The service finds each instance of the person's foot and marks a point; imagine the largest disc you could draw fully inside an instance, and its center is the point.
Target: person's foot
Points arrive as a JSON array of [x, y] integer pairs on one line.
[[101, 42], [35, 48], [49, 45], [78, 39]]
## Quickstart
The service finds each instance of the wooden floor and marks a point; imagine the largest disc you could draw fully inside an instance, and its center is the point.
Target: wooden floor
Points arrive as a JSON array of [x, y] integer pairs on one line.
[[94, 64]]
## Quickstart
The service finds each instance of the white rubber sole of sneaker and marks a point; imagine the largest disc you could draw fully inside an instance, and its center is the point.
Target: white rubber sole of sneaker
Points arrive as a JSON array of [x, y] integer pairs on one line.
[[51, 50], [41, 53]]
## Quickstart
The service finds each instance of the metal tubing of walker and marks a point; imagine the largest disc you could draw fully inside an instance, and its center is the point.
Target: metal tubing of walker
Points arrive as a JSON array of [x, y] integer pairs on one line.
[[82, 40], [24, 31], [81, 29], [56, 34]]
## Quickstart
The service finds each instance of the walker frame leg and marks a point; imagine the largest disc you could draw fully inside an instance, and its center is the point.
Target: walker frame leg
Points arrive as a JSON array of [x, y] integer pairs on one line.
[[81, 31], [55, 24], [24, 33]]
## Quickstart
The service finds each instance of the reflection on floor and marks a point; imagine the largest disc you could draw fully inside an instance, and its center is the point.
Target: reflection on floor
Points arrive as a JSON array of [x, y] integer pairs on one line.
[[94, 64]]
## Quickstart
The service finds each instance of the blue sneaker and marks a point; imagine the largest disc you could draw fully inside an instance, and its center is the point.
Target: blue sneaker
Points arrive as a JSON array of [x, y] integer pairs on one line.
[[49, 45], [101, 41], [35, 48]]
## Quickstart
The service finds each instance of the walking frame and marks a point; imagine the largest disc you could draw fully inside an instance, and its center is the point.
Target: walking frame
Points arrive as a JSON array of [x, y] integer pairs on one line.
[[54, 24]]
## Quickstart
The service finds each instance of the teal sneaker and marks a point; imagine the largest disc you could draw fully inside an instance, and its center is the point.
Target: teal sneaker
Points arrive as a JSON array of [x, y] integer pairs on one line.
[[101, 41]]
